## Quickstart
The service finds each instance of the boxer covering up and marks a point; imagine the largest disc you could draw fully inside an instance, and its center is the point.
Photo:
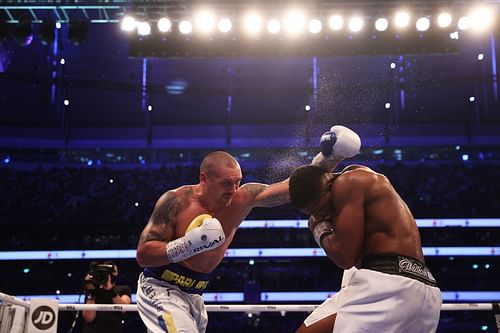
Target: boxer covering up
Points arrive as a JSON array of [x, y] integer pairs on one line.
[[366, 228]]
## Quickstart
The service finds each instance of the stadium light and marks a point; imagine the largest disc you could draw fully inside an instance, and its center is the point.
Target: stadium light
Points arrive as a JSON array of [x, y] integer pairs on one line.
[[225, 25], [444, 20], [143, 28], [252, 23], [381, 24], [273, 26], [164, 25], [423, 24], [335, 22], [402, 19], [482, 18], [294, 22], [185, 27], [205, 22], [464, 23], [128, 24], [315, 26], [355, 24]]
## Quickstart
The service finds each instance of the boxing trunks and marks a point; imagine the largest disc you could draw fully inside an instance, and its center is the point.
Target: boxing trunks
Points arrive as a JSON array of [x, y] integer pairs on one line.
[[390, 293], [169, 299]]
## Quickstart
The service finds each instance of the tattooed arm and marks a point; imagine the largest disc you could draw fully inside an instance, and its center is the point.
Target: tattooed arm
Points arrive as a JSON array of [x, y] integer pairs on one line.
[[263, 195], [151, 250]]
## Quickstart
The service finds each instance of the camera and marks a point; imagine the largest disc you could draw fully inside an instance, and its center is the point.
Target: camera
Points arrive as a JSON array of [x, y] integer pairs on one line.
[[98, 274]]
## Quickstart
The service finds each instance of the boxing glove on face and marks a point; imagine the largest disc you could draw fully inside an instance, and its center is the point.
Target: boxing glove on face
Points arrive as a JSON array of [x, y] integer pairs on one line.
[[203, 234]]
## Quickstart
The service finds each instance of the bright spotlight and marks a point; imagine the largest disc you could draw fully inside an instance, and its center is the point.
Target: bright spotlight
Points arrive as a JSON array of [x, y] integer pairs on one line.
[[225, 25], [423, 24], [355, 24], [128, 24], [480, 57], [252, 23], [315, 26], [205, 22], [143, 28], [294, 22], [444, 20], [273, 26], [185, 27], [464, 23], [335, 22], [402, 19], [381, 24], [164, 24], [482, 18]]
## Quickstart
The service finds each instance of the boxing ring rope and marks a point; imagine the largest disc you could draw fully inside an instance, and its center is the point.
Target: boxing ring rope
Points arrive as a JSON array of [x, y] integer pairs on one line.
[[251, 308]]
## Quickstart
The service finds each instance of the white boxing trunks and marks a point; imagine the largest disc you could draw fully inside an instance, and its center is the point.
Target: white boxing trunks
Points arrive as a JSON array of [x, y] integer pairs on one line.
[[393, 294], [171, 302]]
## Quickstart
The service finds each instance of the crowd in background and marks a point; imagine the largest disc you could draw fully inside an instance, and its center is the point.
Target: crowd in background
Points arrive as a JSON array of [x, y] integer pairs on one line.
[[102, 195], [105, 208]]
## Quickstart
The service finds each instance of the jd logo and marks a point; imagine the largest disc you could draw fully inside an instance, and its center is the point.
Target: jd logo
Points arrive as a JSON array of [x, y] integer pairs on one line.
[[43, 317]]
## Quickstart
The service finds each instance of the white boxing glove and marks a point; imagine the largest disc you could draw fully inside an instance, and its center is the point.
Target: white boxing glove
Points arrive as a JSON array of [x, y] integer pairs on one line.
[[204, 233], [337, 144], [347, 143]]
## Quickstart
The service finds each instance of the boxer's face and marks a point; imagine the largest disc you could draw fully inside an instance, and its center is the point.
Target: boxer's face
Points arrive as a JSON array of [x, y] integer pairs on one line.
[[223, 184], [322, 208]]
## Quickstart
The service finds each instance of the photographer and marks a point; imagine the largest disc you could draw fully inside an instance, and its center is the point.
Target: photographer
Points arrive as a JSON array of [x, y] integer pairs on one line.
[[100, 288]]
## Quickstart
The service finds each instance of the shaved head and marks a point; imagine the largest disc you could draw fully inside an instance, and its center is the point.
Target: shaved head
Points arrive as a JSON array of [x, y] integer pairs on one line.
[[217, 159]]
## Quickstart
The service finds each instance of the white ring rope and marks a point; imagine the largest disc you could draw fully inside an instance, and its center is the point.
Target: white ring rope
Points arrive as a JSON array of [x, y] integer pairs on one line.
[[251, 308]]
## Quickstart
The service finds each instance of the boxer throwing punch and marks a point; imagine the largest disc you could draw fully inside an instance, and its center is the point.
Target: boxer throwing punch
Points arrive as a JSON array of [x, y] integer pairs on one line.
[[364, 227], [186, 237]]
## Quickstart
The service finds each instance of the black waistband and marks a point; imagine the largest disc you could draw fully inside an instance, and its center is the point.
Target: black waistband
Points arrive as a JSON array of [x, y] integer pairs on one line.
[[399, 265], [187, 280]]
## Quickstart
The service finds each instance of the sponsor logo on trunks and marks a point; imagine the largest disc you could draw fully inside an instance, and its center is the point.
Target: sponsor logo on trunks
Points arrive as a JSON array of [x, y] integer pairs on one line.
[[414, 268], [150, 293], [183, 281], [209, 245]]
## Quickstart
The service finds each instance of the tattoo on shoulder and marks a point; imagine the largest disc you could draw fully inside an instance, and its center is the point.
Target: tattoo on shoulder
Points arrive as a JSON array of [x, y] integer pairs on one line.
[[254, 188], [167, 210], [271, 198]]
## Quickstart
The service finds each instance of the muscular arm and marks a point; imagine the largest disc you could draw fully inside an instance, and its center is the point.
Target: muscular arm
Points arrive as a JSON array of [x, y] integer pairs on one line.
[[344, 246], [326, 163], [151, 250], [262, 195]]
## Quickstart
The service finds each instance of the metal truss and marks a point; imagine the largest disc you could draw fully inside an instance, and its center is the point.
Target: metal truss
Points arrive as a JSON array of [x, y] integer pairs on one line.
[[111, 11]]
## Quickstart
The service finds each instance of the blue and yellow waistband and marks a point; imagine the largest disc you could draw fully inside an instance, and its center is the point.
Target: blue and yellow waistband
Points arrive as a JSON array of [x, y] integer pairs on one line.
[[187, 280]]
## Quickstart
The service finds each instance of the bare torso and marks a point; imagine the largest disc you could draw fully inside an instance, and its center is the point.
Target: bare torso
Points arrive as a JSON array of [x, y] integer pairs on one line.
[[230, 217], [389, 226]]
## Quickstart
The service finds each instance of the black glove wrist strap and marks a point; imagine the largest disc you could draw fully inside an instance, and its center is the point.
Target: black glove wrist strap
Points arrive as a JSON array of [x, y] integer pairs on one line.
[[321, 230]]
